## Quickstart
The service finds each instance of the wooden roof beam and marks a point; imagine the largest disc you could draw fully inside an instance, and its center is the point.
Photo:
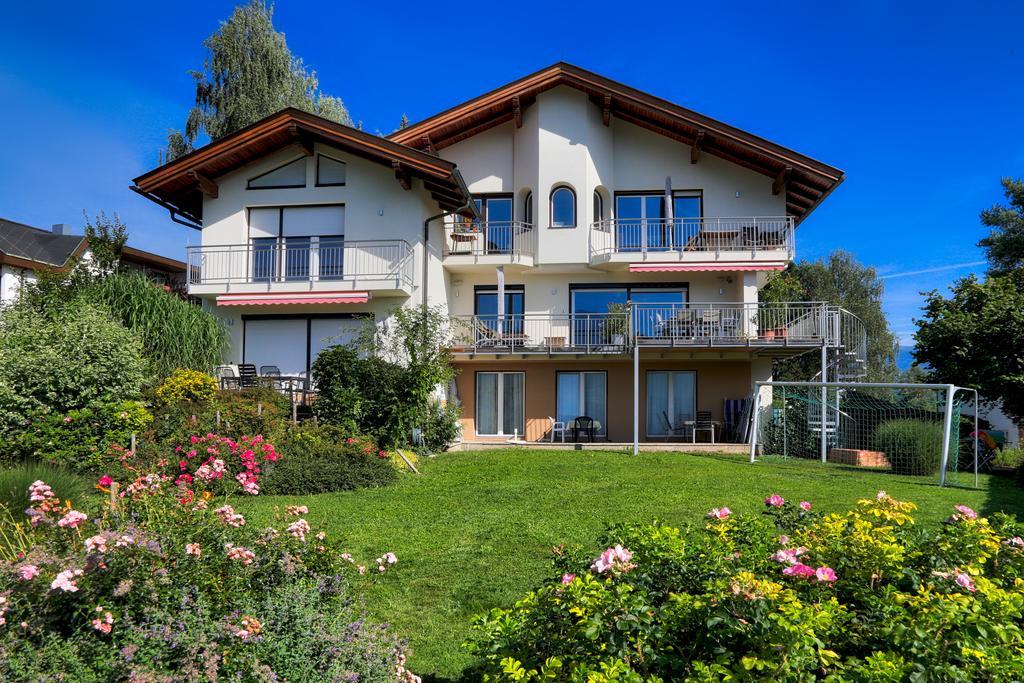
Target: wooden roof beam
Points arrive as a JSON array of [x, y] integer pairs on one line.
[[206, 185], [698, 142], [428, 146], [517, 112], [606, 110], [780, 180], [402, 174]]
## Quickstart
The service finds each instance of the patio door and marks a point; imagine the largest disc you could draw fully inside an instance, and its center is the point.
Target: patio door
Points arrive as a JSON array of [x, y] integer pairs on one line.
[[500, 403], [642, 223], [671, 400], [582, 393]]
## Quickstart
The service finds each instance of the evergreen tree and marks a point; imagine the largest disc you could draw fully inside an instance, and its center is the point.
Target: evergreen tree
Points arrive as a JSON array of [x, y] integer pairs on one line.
[[1004, 247], [248, 75], [403, 123]]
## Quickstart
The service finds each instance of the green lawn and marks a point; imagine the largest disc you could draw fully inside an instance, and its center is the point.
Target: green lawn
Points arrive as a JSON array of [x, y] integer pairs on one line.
[[474, 530]]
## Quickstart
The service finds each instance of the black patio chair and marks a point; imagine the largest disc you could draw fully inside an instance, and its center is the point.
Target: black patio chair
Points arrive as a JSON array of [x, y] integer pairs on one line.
[[583, 424], [704, 423], [270, 371], [247, 376]]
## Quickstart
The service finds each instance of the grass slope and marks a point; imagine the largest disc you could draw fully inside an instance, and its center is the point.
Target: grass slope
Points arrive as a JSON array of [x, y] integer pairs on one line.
[[475, 530]]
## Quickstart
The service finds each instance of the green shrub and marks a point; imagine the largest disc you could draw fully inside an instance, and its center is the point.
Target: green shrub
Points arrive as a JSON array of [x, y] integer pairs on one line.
[[51, 366], [248, 411], [320, 459], [80, 439], [912, 446], [15, 480], [790, 596], [441, 427], [186, 385], [1010, 458], [170, 584]]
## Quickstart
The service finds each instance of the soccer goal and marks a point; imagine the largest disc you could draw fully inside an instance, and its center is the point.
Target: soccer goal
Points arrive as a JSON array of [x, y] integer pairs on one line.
[[909, 429]]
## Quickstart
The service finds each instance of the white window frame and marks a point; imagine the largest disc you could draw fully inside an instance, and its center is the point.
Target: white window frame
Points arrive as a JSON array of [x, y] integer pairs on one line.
[[582, 398]]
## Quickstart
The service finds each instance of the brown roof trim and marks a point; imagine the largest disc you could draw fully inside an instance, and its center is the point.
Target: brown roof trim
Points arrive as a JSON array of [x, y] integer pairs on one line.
[[178, 185], [150, 259], [808, 181]]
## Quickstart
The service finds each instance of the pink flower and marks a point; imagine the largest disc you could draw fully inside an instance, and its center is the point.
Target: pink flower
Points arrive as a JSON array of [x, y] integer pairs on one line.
[[965, 581], [1015, 542], [966, 512], [825, 574], [73, 519], [775, 501], [799, 570], [613, 558], [97, 543], [719, 513], [805, 505], [248, 482], [193, 549], [881, 495], [297, 510], [788, 556], [227, 514], [65, 581], [104, 624], [105, 480], [783, 540], [28, 572], [299, 528], [568, 578], [240, 554]]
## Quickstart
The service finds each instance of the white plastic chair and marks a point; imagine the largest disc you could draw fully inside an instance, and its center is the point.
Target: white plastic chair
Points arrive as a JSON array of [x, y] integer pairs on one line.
[[557, 426]]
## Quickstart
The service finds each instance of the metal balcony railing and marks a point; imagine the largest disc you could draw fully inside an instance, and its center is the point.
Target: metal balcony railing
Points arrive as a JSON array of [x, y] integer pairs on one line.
[[514, 239], [656, 325], [297, 261], [683, 235]]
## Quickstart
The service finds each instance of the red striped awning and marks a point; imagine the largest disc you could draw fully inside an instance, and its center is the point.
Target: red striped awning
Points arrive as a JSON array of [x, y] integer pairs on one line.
[[307, 299], [691, 267]]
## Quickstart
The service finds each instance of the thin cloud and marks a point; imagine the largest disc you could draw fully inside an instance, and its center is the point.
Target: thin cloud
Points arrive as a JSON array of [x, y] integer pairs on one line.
[[937, 269]]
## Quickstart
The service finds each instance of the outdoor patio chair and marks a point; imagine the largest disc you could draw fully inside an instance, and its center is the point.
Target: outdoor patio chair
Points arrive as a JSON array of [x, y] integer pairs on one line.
[[675, 429], [557, 427], [247, 376], [270, 371], [704, 423], [583, 423], [226, 377]]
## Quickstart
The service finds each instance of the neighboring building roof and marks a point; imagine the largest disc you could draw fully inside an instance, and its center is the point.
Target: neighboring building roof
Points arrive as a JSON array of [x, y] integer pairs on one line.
[[180, 184], [805, 181], [25, 246]]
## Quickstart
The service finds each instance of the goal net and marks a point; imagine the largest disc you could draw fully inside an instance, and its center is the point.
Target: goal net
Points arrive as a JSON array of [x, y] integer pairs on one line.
[[896, 428]]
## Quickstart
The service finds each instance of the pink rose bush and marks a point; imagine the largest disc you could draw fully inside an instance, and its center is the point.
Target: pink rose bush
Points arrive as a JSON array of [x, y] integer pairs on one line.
[[168, 582], [858, 595]]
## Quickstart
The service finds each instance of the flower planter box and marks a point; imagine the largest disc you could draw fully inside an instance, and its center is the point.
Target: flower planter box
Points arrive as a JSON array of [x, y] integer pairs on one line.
[[858, 458]]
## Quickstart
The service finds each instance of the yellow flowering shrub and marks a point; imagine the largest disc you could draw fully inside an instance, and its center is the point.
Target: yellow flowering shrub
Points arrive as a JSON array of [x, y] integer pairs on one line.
[[186, 385]]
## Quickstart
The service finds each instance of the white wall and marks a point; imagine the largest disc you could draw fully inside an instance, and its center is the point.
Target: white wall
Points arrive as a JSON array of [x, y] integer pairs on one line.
[[10, 281]]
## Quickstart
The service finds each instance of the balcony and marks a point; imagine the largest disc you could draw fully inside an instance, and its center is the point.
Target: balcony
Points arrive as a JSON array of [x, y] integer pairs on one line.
[[472, 246], [776, 329], [385, 267], [708, 242]]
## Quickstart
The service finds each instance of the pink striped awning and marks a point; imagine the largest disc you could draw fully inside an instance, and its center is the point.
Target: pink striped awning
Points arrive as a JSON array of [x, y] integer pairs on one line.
[[289, 298], [691, 267]]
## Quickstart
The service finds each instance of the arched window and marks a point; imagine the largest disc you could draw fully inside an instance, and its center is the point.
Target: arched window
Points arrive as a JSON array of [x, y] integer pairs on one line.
[[598, 207], [563, 208], [528, 209]]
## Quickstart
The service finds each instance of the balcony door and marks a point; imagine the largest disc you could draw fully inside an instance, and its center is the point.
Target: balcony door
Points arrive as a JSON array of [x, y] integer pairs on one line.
[[671, 401], [500, 403], [296, 243], [582, 394], [641, 221], [496, 212], [485, 306]]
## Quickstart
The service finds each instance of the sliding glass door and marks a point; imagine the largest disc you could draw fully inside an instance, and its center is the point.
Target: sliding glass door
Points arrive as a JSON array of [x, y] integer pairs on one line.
[[582, 394], [671, 401], [500, 403], [642, 223]]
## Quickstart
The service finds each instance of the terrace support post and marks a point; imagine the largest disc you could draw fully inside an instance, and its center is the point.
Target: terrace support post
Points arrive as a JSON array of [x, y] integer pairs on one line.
[[824, 401], [755, 412], [975, 437], [636, 397], [947, 429]]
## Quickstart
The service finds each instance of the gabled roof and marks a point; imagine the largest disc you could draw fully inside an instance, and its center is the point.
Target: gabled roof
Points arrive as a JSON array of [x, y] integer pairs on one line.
[[179, 185], [805, 181], [27, 247]]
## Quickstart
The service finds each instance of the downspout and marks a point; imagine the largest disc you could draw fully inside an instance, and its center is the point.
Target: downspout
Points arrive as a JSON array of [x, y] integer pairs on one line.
[[468, 206]]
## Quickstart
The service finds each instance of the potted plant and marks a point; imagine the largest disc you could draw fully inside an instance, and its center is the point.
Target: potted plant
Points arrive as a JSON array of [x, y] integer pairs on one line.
[[617, 323]]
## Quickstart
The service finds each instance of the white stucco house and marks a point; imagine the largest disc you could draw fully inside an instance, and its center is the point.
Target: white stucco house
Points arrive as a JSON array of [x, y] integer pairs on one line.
[[590, 242]]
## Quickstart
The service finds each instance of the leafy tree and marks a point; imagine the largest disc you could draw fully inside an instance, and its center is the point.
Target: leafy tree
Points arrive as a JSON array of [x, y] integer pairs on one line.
[[975, 338], [1004, 247], [842, 281], [248, 75], [106, 238]]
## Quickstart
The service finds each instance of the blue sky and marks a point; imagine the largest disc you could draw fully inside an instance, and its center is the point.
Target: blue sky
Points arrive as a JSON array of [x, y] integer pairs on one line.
[[920, 103]]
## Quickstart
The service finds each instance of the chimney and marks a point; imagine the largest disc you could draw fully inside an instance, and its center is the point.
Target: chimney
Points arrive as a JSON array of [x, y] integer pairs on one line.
[[61, 229]]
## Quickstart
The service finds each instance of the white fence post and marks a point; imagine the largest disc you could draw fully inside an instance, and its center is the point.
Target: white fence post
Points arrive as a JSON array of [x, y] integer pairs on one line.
[[754, 420]]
